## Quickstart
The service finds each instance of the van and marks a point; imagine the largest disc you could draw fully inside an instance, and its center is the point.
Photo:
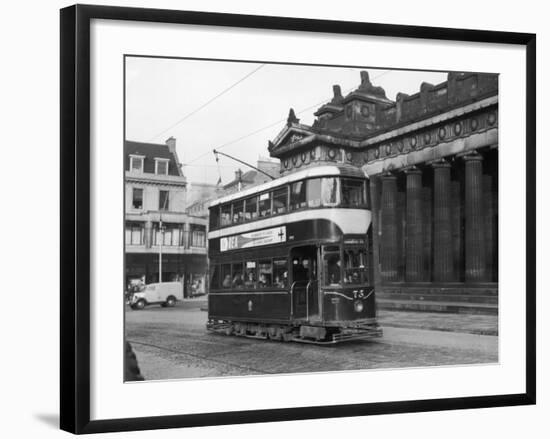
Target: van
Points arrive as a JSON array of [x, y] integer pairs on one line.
[[163, 294]]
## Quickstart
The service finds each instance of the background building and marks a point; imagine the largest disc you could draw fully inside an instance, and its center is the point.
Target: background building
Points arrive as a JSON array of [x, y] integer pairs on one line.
[[432, 160], [253, 177], [156, 221]]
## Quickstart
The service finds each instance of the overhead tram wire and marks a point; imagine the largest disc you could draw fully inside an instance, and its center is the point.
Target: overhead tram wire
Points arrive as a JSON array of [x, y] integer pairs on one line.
[[259, 130], [187, 116]]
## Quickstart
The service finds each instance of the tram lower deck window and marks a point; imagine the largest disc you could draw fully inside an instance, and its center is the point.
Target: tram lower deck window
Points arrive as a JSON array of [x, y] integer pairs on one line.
[[331, 267], [265, 274], [280, 273]]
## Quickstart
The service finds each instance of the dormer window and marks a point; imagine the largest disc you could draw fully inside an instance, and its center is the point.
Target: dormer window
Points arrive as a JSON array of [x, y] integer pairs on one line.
[[161, 166], [136, 163]]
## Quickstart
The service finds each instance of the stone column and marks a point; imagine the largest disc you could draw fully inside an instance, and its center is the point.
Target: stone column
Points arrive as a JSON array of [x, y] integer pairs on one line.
[[443, 251], [474, 217], [401, 221], [388, 243], [374, 185], [489, 234], [456, 226], [414, 264], [427, 223]]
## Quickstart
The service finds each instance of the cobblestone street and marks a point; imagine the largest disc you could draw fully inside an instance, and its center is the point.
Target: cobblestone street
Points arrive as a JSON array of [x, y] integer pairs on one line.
[[172, 343]]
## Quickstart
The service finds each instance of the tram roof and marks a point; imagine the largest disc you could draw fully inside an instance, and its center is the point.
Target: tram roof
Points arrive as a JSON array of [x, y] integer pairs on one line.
[[317, 171]]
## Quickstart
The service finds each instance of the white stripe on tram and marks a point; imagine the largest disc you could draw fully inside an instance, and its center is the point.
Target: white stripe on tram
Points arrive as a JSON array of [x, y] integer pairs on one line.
[[350, 221]]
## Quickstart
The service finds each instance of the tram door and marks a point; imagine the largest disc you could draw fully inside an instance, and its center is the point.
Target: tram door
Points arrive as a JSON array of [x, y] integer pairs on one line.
[[305, 282]]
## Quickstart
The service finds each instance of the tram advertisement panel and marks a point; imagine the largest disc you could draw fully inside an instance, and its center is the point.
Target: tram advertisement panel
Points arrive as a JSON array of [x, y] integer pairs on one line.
[[253, 239]]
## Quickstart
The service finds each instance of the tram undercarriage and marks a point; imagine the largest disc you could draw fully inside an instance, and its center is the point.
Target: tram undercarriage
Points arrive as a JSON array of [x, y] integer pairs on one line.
[[300, 333]]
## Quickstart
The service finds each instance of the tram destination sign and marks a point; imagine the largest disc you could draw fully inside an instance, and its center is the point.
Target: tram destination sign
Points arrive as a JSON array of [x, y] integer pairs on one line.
[[253, 239]]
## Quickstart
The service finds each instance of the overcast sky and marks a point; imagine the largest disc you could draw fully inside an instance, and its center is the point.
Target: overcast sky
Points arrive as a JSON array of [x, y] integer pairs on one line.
[[162, 92]]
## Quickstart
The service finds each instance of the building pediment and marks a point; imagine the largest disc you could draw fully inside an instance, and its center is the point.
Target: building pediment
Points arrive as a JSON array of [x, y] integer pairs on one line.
[[289, 136]]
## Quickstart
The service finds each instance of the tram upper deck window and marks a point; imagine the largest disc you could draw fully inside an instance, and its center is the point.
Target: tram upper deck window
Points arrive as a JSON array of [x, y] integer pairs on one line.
[[353, 192], [265, 204], [214, 217], [225, 215], [330, 191], [238, 211], [298, 195], [355, 270], [251, 208], [280, 200], [313, 192]]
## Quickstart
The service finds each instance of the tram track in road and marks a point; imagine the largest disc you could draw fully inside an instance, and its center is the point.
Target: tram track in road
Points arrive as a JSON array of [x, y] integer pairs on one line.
[[200, 357]]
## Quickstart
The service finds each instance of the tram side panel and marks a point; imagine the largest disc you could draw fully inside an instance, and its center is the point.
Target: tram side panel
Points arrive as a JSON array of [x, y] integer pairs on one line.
[[270, 305], [262, 306]]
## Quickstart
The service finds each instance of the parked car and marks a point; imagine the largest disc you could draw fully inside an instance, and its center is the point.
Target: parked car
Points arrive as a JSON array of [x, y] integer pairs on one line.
[[163, 294]]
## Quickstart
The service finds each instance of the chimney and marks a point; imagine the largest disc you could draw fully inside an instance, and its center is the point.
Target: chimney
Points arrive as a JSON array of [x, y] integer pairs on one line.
[[171, 143]]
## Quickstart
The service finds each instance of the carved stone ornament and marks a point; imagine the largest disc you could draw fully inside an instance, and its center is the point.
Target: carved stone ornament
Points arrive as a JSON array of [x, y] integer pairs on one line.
[[457, 128], [474, 124], [427, 138], [442, 133], [412, 142]]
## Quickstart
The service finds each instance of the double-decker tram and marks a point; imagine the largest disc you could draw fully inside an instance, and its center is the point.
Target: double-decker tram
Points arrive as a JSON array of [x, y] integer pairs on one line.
[[292, 259]]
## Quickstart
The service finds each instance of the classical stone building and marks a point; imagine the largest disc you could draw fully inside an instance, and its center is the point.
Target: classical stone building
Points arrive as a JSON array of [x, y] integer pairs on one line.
[[432, 160], [155, 195]]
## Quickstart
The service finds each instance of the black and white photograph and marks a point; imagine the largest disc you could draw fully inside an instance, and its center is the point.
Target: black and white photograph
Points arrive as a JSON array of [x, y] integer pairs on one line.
[[275, 220], [295, 219]]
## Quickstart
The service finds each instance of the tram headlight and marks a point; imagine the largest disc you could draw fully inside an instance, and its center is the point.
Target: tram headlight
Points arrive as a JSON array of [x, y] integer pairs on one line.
[[358, 306]]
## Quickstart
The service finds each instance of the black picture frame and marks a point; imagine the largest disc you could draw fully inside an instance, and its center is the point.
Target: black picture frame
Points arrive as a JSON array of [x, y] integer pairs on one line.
[[75, 217]]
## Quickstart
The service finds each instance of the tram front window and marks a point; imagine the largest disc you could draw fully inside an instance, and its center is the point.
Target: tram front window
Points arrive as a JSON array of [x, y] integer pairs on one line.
[[330, 192], [353, 192], [355, 266]]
